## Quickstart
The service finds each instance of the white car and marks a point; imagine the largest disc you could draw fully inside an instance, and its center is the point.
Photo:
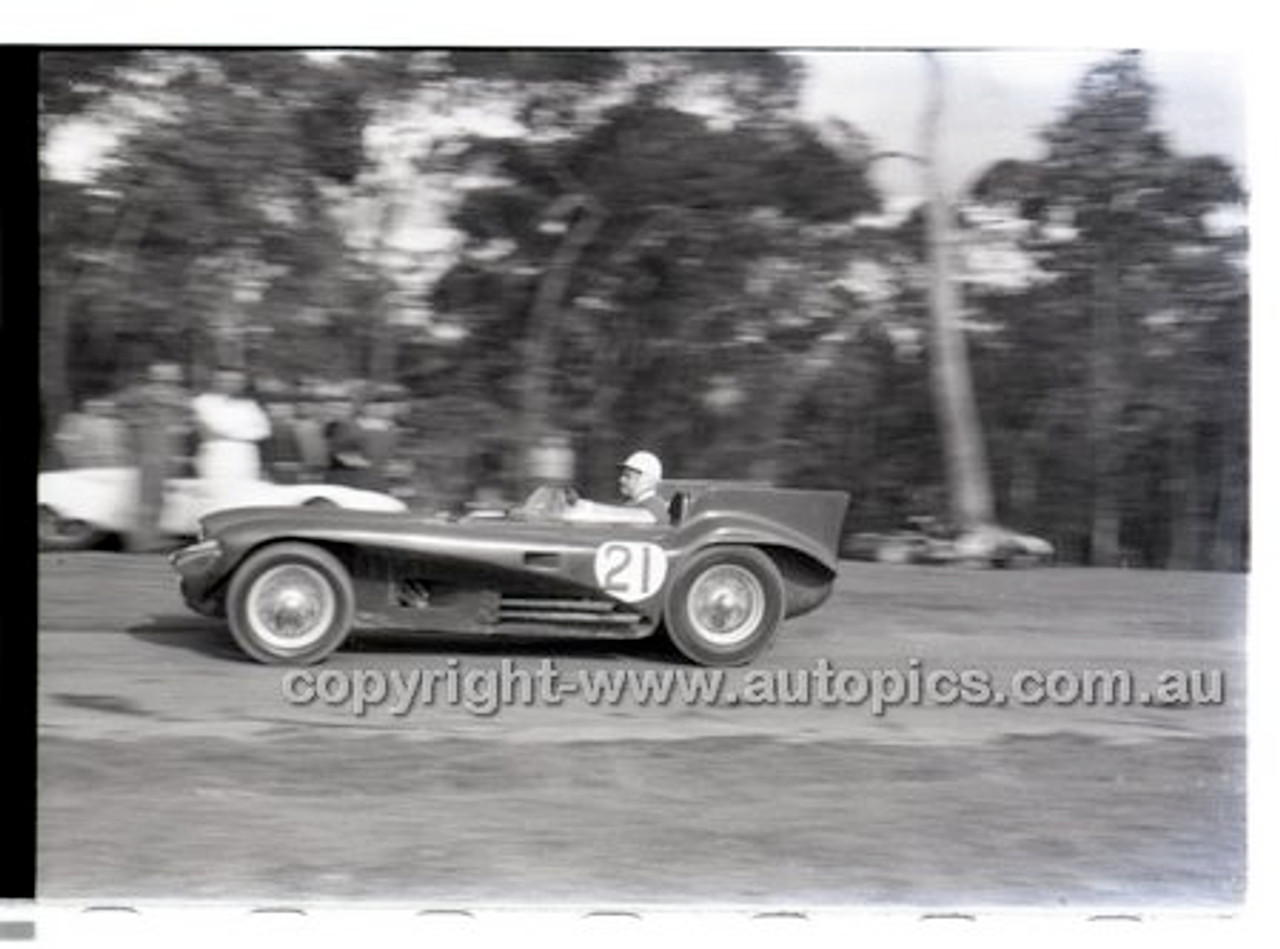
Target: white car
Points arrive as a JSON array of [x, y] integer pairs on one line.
[[926, 541], [82, 507]]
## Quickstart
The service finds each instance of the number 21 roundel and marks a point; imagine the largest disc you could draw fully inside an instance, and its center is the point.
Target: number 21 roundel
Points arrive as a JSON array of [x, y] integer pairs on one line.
[[630, 570]]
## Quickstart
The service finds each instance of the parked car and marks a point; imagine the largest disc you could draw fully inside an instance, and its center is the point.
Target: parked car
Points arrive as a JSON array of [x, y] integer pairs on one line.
[[735, 561], [926, 540], [81, 508]]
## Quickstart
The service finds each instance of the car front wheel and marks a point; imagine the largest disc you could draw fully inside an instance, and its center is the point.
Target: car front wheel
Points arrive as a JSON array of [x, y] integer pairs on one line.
[[290, 603], [725, 605]]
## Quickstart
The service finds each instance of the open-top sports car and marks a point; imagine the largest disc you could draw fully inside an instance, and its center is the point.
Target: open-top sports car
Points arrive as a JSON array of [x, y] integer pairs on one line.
[[734, 562], [82, 507]]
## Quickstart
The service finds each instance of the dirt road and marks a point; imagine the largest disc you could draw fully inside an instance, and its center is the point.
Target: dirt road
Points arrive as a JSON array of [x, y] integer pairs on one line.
[[172, 768]]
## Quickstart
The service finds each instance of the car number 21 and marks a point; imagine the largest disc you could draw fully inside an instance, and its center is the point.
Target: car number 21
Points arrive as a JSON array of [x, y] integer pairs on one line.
[[630, 570]]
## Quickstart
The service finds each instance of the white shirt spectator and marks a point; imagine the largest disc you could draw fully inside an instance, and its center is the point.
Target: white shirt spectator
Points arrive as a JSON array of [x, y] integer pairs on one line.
[[232, 427]]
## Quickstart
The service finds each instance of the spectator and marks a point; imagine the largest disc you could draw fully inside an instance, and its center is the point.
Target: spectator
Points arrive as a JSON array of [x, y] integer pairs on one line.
[[95, 437], [281, 452], [348, 463], [380, 434], [158, 415], [309, 434], [231, 426]]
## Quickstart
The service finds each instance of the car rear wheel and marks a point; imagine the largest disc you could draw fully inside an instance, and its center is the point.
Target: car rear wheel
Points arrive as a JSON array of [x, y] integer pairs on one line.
[[290, 603], [725, 605]]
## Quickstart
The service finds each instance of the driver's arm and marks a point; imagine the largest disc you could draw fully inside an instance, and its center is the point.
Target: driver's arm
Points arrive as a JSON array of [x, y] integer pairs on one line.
[[592, 512]]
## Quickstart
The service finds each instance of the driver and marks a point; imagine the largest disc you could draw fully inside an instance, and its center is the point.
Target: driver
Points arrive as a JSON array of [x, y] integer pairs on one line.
[[638, 479]]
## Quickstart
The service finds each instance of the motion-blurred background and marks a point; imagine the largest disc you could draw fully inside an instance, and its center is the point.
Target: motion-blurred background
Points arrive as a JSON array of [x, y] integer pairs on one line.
[[529, 263]]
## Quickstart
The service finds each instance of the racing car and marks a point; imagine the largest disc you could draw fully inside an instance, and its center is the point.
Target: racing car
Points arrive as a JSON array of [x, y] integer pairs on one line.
[[80, 508], [734, 562]]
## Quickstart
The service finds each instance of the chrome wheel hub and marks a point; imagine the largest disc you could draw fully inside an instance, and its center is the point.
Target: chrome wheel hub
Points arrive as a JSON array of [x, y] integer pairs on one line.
[[726, 604], [290, 606]]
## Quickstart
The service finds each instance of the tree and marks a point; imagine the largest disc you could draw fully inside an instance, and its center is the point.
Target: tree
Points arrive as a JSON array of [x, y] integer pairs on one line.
[[71, 85], [968, 477], [1146, 299], [212, 223], [628, 249]]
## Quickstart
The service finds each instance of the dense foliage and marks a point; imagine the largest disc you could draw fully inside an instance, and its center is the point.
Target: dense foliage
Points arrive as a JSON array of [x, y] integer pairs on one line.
[[653, 248]]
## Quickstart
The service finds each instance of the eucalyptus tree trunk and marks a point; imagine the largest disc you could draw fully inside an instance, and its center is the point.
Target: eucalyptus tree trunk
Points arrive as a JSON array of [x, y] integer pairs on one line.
[[1229, 548], [1186, 494], [534, 385], [968, 473], [58, 299], [382, 352], [1105, 412], [55, 386], [776, 404]]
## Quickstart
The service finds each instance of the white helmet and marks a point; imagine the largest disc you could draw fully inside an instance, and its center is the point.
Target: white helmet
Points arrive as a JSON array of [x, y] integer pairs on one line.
[[647, 464]]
